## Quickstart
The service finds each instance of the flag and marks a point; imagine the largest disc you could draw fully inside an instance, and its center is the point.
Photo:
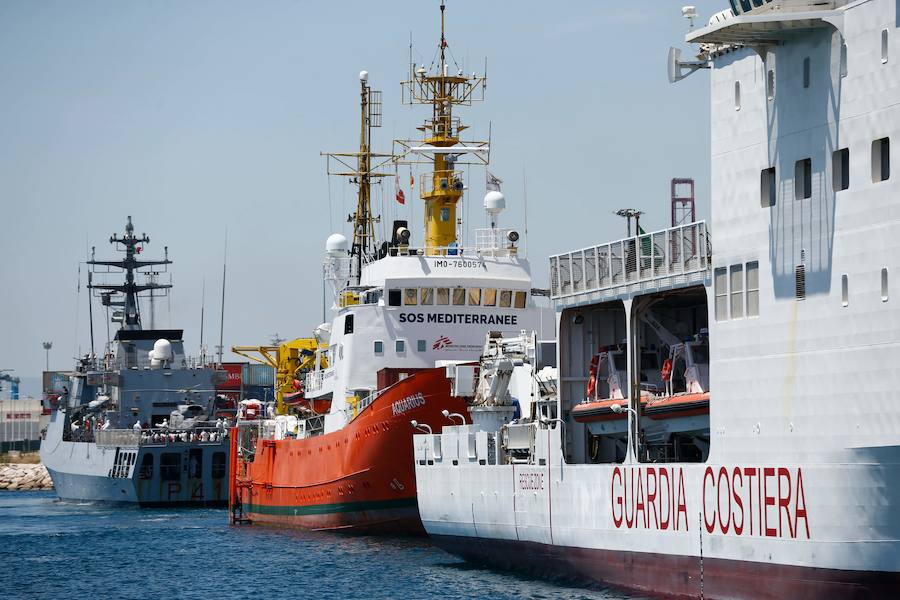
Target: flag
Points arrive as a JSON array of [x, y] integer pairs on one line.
[[401, 198], [493, 182]]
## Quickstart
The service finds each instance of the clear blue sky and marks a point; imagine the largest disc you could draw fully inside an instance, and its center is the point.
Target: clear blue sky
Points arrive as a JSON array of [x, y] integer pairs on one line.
[[194, 117]]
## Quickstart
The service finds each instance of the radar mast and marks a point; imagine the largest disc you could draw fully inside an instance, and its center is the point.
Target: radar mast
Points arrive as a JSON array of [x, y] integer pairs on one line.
[[130, 314]]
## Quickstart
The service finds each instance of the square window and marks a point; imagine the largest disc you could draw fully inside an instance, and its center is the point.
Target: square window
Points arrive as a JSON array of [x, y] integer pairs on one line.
[[490, 297], [474, 297], [410, 296], [459, 296], [840, 169], [753, 289], [520, 299], [505, 298], [420, 345], [767, 188], [443, 296], [394, 297], [426, 296], [400, 346], [881, 160], [737, 291], [379, 347], [803, 179], [720, 283]]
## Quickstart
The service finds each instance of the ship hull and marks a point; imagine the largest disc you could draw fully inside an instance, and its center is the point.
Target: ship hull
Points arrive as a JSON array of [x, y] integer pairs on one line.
[[359, 478], [669, 575]]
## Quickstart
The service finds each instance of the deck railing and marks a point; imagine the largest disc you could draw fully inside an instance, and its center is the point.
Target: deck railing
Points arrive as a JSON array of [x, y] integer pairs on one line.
[[643, 258]]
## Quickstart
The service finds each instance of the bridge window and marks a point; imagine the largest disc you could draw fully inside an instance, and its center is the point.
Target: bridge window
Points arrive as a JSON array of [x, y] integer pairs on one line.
[[378, 347], [394, 297], [490, 297], [459, 296], [806, 72], [410, 296], [840, 169], [505, 298], [348, 324], [884, 284], [474, 297], [881, 160], [400, 346], [767, 188], [737, 291], [737, 95], [520, 299], [803, 179], [426, 296], [843, 60], [721, 291], [845, 291], [884, 46], [753, 289], [420, 346], [443, 296]]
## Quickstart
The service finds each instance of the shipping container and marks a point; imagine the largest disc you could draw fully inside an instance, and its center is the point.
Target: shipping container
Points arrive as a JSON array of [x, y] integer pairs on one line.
[[55, 381], [258, 375], [234, 380]]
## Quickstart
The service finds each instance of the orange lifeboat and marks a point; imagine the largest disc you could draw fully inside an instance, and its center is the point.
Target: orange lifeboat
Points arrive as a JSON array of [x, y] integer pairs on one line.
[[659, 408]]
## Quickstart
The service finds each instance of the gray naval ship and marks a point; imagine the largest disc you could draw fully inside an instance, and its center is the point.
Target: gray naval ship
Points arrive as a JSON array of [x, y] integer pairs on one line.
[[139, 424]]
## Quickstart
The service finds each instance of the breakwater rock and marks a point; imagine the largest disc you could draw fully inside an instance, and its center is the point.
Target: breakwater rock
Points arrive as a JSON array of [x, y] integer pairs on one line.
[[24, 477]]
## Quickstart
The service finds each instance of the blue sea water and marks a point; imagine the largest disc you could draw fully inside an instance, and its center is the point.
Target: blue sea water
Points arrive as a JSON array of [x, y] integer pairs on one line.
[[50, 549]]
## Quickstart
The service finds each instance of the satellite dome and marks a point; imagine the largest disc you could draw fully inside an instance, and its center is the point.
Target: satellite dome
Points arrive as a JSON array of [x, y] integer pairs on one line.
[[494, 202], [363, 75], [336, 244]]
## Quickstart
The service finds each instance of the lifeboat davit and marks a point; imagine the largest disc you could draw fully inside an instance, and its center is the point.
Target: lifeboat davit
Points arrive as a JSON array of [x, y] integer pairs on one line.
[[657, 408]]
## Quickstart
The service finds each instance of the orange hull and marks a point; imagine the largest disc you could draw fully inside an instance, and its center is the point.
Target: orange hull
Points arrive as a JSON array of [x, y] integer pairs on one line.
[[681, 405], [361, 477]]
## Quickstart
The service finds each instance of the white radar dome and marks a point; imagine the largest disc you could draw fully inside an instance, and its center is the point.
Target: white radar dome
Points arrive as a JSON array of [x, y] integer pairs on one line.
[[494, 202], [363, 75], [161, 353], [336, 244]]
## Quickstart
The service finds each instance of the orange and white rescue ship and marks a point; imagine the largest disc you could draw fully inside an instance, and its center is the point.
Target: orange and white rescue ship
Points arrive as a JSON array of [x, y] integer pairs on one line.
[[335, 452]]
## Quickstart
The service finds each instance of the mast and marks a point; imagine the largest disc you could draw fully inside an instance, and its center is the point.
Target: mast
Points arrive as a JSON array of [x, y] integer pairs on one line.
[[129, 315], [362, 173], [442, 188]]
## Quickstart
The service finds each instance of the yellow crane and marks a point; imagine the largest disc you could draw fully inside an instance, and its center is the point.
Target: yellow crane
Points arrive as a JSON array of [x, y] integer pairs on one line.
[[291, 361]]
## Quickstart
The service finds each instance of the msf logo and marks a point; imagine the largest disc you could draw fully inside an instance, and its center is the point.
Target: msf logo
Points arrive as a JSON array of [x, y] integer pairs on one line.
[[441, 342]]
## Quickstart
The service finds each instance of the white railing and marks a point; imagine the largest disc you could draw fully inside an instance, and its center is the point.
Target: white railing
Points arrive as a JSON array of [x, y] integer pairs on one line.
[[493, 241], [315, 380], [682, 250]]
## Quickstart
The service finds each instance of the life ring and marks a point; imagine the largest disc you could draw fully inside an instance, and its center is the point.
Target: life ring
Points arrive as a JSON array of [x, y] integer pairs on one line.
[[666, 372]]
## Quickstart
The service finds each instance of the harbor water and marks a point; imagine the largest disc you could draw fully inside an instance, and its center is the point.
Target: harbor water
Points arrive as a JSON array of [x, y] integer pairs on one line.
[[68, 550]]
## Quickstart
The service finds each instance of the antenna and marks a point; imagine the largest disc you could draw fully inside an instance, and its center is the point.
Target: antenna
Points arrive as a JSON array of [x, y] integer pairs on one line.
[[222, 314], [525, 199], [90, 306], [202, 321]]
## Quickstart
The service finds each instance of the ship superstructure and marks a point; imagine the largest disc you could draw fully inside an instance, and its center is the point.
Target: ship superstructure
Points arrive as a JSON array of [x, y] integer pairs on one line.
[[340, 455], [137, 425], [778, 475]]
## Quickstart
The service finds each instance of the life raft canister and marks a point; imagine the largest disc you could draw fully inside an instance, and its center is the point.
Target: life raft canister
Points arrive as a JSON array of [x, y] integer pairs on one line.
[[592, 376], [666, 372]]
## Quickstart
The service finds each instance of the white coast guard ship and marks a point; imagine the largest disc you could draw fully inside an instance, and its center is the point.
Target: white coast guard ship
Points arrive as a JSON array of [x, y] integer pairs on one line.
[[788, 484]]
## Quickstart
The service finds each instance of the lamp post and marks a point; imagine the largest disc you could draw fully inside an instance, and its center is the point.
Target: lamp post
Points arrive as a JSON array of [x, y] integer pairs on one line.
[[450, 416], [47, 346]]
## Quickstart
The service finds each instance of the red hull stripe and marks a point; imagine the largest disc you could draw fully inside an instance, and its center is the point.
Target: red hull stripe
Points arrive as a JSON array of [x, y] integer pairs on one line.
[[672, 575], [326, 509]]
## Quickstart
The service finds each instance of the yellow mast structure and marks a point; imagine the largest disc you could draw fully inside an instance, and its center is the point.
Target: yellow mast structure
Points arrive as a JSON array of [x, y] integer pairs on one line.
[[442, 188]]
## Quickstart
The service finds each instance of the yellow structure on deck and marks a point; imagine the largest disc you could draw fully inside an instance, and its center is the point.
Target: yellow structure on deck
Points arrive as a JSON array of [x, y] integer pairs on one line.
[[443, 188], [291, 361]]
